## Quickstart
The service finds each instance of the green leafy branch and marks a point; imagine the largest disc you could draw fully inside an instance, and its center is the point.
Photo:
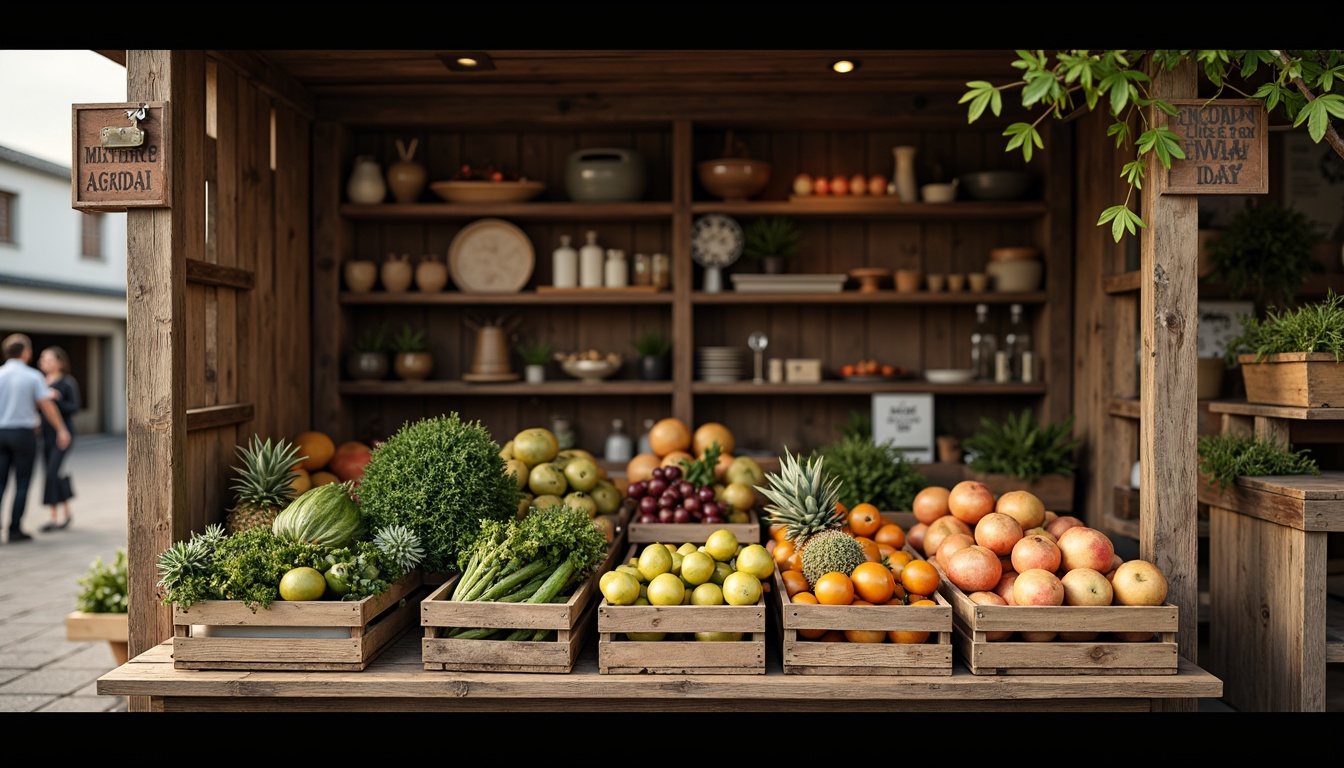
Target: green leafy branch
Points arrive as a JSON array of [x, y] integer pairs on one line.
[[1307, 85]]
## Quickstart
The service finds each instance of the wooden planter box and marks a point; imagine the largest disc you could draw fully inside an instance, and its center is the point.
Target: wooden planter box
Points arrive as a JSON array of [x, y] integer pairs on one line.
[[1304, 379], [572, 621], [696, 533], [679, 653], [112, 627], [1054, 491], [317, 635], [813, 657], [1108, 654]]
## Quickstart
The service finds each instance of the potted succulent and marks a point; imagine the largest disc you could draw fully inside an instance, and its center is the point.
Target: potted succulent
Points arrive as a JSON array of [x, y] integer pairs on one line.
[[654, 350], [535, 355], [413, 361], [101, 606], [1265, 253], [1022, 453], [1293, 357], [772, 241], [368, 355]]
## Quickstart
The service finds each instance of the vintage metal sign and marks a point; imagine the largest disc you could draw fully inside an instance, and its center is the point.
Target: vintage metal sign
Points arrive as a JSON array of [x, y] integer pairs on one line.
[[121, 157], [1226, 145]]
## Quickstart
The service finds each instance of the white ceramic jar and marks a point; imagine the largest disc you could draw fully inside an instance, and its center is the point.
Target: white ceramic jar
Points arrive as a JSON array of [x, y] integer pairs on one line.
[[592, 259], [366, 184], [565, 265]]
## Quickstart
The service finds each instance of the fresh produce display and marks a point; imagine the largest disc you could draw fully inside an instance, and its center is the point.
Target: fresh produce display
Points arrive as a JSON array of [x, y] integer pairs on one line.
[[327, 514], [547, 476], [679, 448], [102, 588], [671, 497], [541, 558], [439, 478], [870, 367], [877, 473], [486, 172], [265, 483], [722, 571]]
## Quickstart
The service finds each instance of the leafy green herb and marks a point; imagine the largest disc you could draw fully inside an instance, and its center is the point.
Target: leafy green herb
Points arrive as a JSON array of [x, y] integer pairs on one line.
[[103, 586], [1265, 253], [1022, 447], [439, 477], [877, 473], [371, 340], [858, 424], [1316, 327], [700, 472], [1224, 458], [771, 236], [652, 343], [535, 352], [408, 340]]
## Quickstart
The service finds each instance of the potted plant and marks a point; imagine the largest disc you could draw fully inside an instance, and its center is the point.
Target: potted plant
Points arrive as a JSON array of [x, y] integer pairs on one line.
[[1265, 253], [368, 355], [1224, 458], [877, 473], [1292, 357], [101, 606], [535, 355], [772, 241], [413, 361], [654, 350], [1022, 453]]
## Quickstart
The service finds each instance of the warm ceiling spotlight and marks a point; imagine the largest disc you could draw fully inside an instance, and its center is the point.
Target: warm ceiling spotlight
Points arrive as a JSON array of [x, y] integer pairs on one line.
[[467, 61], [844, 66]]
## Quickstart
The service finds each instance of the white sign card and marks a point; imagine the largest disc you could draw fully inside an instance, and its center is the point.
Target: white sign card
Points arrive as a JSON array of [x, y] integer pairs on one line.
[[1219, 321], [906, 421]]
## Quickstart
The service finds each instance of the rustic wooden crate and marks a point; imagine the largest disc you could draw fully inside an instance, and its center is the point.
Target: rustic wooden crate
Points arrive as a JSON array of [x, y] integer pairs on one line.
[[1304, 379], [1106, 655], [616, 654], [813, 657], [696, 533], [572, 621], [317, 635]]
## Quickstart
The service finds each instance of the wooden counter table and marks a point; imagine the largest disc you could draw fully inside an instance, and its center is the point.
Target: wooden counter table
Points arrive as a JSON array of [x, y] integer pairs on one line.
[[398, 681]]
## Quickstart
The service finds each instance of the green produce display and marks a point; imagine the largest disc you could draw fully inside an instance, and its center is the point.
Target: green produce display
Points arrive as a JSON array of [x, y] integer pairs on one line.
[[323, 515]]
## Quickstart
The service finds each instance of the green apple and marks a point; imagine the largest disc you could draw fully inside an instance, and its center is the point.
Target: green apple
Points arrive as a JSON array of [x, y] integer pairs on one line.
[[507, 451], [581, 500], [546, 501], [607, 496], [581, 474], [519, 470], [546, 478], [534, 446], [576, 453], [745, 470]]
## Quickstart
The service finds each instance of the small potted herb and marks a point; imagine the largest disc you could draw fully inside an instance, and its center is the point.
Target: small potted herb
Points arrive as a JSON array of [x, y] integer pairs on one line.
[[1265, 254], [535, 355], [1293, 357], [771, 240], [654, 350], [1224, 458], [877, 473], [368, 355], [1023, 453], [413, 361], [101, 606]]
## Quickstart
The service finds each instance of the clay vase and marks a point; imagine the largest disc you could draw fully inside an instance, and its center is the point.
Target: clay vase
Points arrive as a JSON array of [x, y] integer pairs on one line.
[[413, 366], [431, 275], [366, 183], [492, 352], [406, 178], [366, 365], [397, 273], [361, 275]]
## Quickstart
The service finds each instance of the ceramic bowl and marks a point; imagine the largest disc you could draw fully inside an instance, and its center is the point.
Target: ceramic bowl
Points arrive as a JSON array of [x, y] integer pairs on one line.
[[938, 193], [591, 370], [734, 178], [1015, 276], [1014, 253], [949, 375], [996, 185]]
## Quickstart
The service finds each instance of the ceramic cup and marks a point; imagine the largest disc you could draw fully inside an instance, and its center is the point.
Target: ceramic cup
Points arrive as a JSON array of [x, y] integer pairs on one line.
[[907, 280], [937, 283], [978, 281], [956, 281]]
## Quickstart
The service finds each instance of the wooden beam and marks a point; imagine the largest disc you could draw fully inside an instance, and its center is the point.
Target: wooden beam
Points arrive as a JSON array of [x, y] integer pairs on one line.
[[206, 273], [211, 416]]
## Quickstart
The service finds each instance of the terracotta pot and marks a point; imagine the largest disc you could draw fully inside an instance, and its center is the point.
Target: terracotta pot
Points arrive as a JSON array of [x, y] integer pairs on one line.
[[413, 366], [431, 276], [397, 273], [366, 365], [907, 280], [361, 275]]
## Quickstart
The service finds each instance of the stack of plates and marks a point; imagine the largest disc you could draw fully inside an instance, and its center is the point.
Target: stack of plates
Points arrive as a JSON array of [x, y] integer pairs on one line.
[[719, 363]]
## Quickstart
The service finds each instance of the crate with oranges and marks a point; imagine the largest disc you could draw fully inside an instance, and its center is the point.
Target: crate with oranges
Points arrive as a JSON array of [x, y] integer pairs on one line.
[[886, 617]]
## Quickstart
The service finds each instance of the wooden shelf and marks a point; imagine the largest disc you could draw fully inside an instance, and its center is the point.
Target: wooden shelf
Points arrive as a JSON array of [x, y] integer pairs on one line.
[[885, 296], [882, 206], [439, 387], [852, 388], [530, 298], [1243, 408], [1125, 282], [528, 211]]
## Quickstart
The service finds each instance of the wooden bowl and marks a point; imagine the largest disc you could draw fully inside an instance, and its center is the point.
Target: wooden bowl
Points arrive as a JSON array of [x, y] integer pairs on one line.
[[870, 278], [487, 191], [734, 178], [1016, 253]]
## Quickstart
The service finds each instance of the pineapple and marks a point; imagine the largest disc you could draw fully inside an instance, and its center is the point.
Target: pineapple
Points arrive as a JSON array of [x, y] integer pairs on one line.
[[264, 483], [803, 499]]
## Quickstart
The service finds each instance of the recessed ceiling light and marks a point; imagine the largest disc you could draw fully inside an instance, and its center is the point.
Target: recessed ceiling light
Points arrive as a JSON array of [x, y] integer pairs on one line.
[[844, 66], [467, 61]]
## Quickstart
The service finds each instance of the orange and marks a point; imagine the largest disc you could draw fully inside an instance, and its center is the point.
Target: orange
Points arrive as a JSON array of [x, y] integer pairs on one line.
[[873, 582], [919, 577], [864, 519], [834, 636], [794, 582], [783, 551], [641, 467], [885, 550], [834, 588], [668, 435], [709, 433], [865, 635], [870, 549], [675, 459], [891, 534], [317, 446], [907, 635]]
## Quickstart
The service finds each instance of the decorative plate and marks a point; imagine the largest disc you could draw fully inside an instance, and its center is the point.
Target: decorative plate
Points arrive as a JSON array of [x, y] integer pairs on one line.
[[487, 191], [491, 256], [949, 375]]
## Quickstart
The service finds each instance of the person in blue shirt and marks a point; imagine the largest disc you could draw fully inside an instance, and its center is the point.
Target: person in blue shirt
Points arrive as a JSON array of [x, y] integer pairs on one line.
[[24, 400], [64, 390]]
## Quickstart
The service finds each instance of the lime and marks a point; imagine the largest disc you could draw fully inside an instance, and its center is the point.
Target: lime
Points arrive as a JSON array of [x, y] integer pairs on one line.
[[676, 563], [708, 593], [654, 560], [721, 545], [697, 568], [666, 589], [302, 583], [741, 588], [721, 572], [756, 560], [619, 588], [718, 636]]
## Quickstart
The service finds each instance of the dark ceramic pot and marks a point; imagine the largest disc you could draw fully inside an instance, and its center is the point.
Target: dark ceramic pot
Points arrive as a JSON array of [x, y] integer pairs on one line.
[[366, 365], [655, 368]]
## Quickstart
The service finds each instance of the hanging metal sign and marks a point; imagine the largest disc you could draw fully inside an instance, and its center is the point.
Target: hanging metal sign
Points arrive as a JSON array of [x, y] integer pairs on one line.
[[1226, 145], [121, 156]]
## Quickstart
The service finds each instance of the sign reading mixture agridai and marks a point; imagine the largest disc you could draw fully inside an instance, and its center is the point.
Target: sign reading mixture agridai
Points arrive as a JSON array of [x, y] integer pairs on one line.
[[1226, 148], [121, 156]]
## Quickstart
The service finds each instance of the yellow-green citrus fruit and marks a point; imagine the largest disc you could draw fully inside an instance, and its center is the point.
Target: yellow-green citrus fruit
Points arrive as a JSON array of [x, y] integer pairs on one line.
[[708, 593], [619, 588], [676, 562], [645, 637], [741, 588], [632, 571], [756, 560], [721, 572], [688, 548], [302, 583], [713, 637], [654, 561], [666, 589], [697, 568], [721, 544]]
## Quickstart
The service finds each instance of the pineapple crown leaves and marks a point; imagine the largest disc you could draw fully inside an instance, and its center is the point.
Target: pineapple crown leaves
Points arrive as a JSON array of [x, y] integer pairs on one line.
[[267, 472], [1023, 448], [803, 496]]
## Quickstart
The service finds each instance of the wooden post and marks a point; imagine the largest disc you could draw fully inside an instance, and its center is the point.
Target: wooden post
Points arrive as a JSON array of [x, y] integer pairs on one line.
[[1168, 310]]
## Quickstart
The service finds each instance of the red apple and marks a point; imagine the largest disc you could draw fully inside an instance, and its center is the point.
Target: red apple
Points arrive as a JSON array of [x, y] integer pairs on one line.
[[1061, 524], [349, 459], [1004, 588], [1084, 547], [1039, 531], [998, 532], [1035, 552], [991, 598], [1139, 582], [1038, 587], [939, 529], [1024, 506], [970, 500], [1085, 586], [877, 184], [915, 536], [1116, 560], [973, 568]]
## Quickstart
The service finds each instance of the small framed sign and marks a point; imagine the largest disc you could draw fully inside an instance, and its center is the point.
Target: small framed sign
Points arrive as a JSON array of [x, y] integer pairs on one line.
[[906, 420], [121, 156], [1226, 145]]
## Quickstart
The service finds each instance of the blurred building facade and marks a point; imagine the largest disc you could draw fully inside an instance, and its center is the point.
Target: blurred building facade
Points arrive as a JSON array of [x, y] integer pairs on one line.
[[63, 282]]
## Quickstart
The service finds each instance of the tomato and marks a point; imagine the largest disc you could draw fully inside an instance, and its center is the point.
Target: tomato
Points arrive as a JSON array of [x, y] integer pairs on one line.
[[821, 186], [834, 588], [864, 519], [888, 370], [846, 370], [839, 185]]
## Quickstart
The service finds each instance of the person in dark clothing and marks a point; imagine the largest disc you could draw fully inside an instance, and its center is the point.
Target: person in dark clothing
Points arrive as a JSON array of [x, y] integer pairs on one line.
[[64, 390], [24, 400]]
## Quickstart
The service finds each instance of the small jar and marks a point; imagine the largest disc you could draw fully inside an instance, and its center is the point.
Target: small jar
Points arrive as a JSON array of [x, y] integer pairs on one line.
[[591, 262], [565, 265], [616, 275], [662, 271], [642, 270], [776, 371]]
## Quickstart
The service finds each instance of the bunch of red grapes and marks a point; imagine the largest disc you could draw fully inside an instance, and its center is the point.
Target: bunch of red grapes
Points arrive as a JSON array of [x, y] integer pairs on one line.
[[667, 497]]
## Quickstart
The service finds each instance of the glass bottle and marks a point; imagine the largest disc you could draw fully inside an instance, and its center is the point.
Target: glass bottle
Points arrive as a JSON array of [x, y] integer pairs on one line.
[[1017, 343], [618, 447], [616, 274], [645, 446], [983, 345], [592, 261], [565, 265], [662, 271], [642, 269]]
